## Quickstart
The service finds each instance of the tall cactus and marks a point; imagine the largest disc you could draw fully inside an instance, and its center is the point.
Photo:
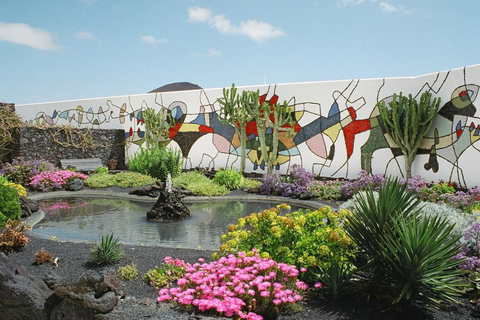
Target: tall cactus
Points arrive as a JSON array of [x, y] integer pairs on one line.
[[269, 116], [276, 116], [234, 112], [407, 122], [156, 126]]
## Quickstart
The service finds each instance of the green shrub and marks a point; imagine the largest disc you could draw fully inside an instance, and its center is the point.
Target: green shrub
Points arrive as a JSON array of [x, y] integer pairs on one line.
[[229, 178], [164, 276], [329, 190], [409, 255], [251, 183], [3, 179], [100, 180], [157, 162], [199, 184], [434, 192], [312, 240], [128, 272], [9, 204], [101, 170], [108, 251], [132, 179], [121, 179]]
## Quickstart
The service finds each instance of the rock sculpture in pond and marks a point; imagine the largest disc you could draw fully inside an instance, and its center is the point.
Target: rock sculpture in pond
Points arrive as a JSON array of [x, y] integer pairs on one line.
[[169, 206]]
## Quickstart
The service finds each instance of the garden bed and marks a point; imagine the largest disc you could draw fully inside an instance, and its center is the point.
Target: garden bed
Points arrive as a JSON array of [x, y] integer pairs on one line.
[[139, 302]]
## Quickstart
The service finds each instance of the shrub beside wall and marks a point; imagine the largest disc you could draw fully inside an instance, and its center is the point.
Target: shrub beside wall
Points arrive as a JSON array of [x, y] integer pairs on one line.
[[55, 143]]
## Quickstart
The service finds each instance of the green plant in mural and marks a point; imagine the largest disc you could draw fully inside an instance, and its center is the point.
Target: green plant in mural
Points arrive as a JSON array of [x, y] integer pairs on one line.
[[234, 112], [156, 127], [407, 122]]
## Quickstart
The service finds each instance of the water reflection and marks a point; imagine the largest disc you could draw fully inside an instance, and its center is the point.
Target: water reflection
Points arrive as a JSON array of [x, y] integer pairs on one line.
[[85, 219]]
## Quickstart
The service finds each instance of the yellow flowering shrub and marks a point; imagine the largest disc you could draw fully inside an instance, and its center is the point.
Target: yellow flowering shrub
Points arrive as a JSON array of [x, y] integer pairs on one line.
[[310, 239], [21, 191]]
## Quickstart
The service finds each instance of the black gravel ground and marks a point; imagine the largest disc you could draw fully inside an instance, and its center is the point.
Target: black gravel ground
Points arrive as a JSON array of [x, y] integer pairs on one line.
[[140, 300]]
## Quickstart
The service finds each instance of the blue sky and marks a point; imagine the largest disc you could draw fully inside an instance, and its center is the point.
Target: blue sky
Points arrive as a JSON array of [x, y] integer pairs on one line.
[[74, 49]]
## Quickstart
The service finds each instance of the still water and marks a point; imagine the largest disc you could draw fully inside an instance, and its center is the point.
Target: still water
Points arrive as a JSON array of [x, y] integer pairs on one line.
[[86, 219]]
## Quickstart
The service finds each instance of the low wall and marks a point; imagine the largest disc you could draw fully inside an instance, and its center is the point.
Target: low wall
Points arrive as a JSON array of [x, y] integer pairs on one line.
[[55, 143]]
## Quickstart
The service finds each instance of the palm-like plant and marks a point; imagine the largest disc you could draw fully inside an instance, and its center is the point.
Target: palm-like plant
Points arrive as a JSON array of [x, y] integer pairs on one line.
[[107, 251], [407, 254], [375, 215], [417, 255]]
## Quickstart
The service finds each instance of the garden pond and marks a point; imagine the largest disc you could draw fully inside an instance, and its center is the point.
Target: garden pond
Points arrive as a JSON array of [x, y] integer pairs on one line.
[[85, 219]]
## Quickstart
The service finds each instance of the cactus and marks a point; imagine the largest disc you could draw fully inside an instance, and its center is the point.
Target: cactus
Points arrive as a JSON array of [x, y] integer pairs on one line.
[[156, 126], [234, 112], [269, 116], [407, 122]]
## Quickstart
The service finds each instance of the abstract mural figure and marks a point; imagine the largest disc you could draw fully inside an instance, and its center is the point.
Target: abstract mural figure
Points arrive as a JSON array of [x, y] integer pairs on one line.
[[453, 131]]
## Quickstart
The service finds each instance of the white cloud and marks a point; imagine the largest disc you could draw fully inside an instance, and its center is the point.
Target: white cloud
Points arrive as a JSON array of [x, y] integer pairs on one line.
[[197, 14], [152, 40], [22, 33], [345, 3], [387, 7], [257, 30], [85, 35]]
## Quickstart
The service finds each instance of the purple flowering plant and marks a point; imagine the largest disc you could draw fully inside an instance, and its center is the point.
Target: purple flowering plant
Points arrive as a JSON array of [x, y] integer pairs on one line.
[[20, 171], [295, 183], [54, 180], [244, 286]]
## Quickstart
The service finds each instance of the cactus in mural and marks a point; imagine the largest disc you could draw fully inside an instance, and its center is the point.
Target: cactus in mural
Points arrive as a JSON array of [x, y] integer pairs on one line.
[[234, 112], [156, 127], [407, 121]]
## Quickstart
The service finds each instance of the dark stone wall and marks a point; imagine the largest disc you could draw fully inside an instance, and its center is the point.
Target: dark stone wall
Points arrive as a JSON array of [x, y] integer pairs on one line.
[[54, 143]]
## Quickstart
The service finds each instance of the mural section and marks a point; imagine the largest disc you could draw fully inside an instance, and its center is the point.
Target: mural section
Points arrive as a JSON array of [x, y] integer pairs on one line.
[[336, 131]]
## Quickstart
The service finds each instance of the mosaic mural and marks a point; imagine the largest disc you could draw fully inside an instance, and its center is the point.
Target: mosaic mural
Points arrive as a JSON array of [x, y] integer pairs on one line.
[[336, 132]]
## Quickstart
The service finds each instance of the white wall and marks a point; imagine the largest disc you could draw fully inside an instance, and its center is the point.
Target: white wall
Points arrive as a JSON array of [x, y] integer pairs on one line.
[[456, 153]]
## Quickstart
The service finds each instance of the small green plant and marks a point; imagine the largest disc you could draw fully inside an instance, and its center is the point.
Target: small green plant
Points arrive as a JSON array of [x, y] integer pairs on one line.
[[157, 162], [168, 274], [199, 184], [13, 237], [42, 256], [433, 193], [329, 190], [108, 251], [101, 170], [9, 204], [229, 178], [3, 179], [128, 272], [251, 183]]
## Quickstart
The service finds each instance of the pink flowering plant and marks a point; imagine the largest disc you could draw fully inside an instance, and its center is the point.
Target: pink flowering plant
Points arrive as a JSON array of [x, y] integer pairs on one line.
[[53, 180], [244, 286]]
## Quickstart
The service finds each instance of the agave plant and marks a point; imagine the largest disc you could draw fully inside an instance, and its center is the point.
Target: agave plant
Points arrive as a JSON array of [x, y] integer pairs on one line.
[[417, 256], [408, 254], [107, 251], [374, 215]]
